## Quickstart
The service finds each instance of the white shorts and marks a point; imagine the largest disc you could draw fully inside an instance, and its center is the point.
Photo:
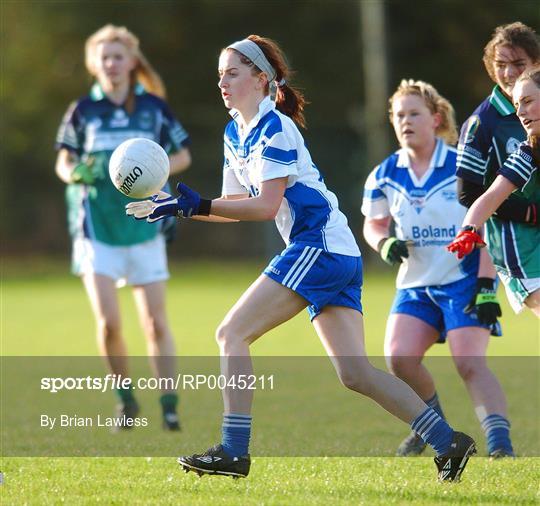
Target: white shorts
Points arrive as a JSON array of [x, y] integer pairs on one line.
[[139, 264], [518, 289]]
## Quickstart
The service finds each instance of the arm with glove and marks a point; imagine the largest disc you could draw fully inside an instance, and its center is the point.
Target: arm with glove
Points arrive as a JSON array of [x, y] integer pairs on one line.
[[468, 239], [73, 171], [391, 249], [484, 300], [189, 204]]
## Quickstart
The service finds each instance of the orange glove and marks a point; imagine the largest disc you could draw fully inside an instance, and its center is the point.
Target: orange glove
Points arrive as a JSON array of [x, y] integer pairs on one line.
[[466, 242]]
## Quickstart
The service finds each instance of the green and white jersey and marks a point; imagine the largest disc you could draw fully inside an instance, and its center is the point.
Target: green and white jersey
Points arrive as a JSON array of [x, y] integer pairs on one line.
[[92, 128], [521, 170], [490, 135]]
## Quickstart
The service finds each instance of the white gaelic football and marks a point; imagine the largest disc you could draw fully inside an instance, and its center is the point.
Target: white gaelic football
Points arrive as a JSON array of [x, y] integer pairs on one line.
[[139, 168]]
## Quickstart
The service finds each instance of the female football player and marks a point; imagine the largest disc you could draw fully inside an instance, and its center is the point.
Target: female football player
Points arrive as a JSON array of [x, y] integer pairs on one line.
[[438, 297], [518, 175], [268, 174], [109, 250], [490, 135]]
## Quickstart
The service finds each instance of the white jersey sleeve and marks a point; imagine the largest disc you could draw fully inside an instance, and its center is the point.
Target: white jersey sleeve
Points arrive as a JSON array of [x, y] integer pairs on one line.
[[374, 203], [278, 158]]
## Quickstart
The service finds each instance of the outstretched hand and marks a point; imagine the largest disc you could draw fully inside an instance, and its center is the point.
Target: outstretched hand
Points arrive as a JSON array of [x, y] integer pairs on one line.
[[467, 240], [142, 209], [162, 205]]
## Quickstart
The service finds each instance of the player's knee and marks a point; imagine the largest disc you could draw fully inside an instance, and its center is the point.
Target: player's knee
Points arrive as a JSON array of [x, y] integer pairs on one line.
[[358, 381], [221, 335], [155, 328], [533, 302], [401, 366], [108, 329], [467, 367], [227, 338]]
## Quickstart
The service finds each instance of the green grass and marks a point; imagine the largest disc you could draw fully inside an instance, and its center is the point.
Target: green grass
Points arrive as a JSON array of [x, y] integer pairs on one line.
[[44, 312], [282, 481], [60, 321]]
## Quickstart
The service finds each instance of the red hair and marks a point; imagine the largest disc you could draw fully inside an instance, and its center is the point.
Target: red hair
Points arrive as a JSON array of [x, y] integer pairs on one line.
[[289, 100]]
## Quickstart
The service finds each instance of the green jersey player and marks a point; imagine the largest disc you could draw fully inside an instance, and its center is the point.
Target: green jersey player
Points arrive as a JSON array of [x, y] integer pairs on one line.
[[108, 248], [518, 175], [487, 138]]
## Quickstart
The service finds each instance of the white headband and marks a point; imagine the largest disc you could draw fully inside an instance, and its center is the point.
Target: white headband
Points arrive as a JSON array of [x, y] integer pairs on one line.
[[252, 51]]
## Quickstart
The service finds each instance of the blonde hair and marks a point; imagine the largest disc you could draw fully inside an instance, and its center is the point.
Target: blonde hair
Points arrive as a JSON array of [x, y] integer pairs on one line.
[[436, 103], [143, 72]]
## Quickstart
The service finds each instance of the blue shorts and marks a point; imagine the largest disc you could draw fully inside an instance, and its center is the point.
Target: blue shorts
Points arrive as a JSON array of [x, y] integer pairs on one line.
[[441, 306], [322, 278]]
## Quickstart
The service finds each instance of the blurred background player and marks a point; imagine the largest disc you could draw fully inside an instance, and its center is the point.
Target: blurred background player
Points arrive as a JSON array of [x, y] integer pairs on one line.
[[518, 175], [488, 137], [438, 296], [268, 174], [109, 249]]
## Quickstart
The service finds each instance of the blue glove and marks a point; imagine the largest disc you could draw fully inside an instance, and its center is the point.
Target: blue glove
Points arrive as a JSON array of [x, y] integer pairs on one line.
[[163, 205], [188, 202]]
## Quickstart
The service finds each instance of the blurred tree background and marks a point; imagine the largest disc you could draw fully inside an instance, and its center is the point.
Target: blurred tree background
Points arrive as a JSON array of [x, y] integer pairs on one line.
[[42, 71]]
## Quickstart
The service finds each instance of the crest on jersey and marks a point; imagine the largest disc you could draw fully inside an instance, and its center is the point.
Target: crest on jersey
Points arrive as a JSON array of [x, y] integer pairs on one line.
[[418, 200], [119, 119], [449, 195], [472, 127], [512, 145]]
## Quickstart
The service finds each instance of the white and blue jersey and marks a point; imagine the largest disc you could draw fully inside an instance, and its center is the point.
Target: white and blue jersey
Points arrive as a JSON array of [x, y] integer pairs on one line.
[[321, 261], [425, 211], [272, 147], [432, 284]]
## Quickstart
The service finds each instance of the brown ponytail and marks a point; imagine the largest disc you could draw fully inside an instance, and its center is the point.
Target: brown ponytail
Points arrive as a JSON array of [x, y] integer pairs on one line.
[[289, 100]]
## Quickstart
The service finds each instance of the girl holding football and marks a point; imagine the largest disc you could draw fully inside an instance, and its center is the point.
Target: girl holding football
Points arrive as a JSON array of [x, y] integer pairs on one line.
[[268, 174], [110, 250], [438, 297]]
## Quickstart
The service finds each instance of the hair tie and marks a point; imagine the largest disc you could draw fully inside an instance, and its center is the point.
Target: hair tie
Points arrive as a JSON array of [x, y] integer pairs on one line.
[[281, 83]]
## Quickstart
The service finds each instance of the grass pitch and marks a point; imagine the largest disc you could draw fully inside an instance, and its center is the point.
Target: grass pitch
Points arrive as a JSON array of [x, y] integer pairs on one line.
[[45, 312]]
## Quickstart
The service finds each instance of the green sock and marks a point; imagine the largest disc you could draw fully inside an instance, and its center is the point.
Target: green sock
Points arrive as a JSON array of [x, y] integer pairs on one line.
[[125, 395], [169, 402]]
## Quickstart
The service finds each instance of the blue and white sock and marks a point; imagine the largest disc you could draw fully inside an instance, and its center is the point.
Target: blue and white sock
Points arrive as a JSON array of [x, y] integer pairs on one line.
[[436, 405], [236, 432], [433, 430], [497, 430]]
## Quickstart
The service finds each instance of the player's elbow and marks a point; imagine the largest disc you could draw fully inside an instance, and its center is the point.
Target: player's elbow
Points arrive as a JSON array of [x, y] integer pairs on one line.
[[180, 161], [186, 158], [270, 214]]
